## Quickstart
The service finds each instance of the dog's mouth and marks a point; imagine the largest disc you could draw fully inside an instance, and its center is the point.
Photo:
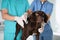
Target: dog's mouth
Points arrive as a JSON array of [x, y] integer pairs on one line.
[[38, 25]]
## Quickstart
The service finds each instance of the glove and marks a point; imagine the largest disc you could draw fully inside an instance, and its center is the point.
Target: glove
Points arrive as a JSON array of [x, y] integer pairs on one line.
[[42, 28], [19, 20], [24, 17], [30, 37]]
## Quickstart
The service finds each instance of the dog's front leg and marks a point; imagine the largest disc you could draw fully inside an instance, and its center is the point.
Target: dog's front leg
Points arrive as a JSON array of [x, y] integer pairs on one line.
[[24, 34], [23, 37], [37, 36], [18, 27]]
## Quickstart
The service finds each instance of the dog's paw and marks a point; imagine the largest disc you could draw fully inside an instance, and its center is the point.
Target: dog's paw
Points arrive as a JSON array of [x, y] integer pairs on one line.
[[30, 37]]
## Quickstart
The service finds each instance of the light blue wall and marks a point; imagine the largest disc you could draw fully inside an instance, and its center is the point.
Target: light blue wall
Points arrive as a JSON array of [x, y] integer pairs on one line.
[[0, 4], [0, 13]]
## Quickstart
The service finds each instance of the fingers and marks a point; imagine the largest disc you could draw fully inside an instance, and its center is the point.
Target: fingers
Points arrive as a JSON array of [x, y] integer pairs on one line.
[[40, 30], [19, 21]]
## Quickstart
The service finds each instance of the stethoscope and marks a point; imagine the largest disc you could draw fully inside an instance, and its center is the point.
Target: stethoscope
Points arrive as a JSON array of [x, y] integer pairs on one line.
[[42, 3]]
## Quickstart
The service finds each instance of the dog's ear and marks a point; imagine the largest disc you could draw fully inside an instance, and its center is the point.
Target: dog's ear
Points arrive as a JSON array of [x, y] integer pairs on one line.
[[28, 18], [31, 17], [45, 18]]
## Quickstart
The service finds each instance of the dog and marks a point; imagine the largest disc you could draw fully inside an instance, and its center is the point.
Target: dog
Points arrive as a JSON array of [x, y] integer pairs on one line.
[[35, 21]]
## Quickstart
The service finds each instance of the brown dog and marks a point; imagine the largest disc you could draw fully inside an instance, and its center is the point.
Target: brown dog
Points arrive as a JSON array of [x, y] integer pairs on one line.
[[35, 21]]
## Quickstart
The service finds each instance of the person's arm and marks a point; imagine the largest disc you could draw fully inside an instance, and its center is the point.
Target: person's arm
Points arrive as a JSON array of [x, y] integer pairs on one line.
[[4, 11], [48, 16], [31, 8], [6, 16], [49, 10]]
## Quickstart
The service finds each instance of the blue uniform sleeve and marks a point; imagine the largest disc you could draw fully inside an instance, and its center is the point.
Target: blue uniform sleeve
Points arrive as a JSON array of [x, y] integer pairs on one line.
[[49, 9], [4, 4], [27, 5], [32, 6]]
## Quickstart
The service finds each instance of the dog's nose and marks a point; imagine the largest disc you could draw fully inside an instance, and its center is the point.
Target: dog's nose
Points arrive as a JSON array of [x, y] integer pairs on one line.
[[39, 25]]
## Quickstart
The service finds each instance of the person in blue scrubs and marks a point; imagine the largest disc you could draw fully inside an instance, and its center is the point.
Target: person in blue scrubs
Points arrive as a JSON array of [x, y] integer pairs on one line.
[[14, 8], [47, 7]]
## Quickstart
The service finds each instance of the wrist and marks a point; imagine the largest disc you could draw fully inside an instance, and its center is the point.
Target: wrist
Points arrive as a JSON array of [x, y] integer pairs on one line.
[[15, 18]]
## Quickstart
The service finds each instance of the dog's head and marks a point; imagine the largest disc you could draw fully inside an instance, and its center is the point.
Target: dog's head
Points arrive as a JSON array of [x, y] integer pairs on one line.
[[37, 18], [41, 16]]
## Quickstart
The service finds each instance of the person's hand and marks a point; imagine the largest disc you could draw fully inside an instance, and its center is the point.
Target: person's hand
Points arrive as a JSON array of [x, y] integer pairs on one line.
[[19, 20], [24, 17], [30, 37], [40, 30]]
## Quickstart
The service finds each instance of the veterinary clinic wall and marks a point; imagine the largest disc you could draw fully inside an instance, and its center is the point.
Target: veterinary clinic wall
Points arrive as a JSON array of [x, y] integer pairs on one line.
[[0, 4], [58, 14], [55, 18], [1, 20], [0, 12]]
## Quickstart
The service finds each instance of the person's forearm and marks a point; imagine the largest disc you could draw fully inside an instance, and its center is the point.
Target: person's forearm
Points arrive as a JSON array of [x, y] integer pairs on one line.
[[8, 17], [29, 11], [48, 16]]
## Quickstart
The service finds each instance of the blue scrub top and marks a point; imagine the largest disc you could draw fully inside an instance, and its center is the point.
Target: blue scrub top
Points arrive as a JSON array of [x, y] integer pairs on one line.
[[46, 7], [15, 8]]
